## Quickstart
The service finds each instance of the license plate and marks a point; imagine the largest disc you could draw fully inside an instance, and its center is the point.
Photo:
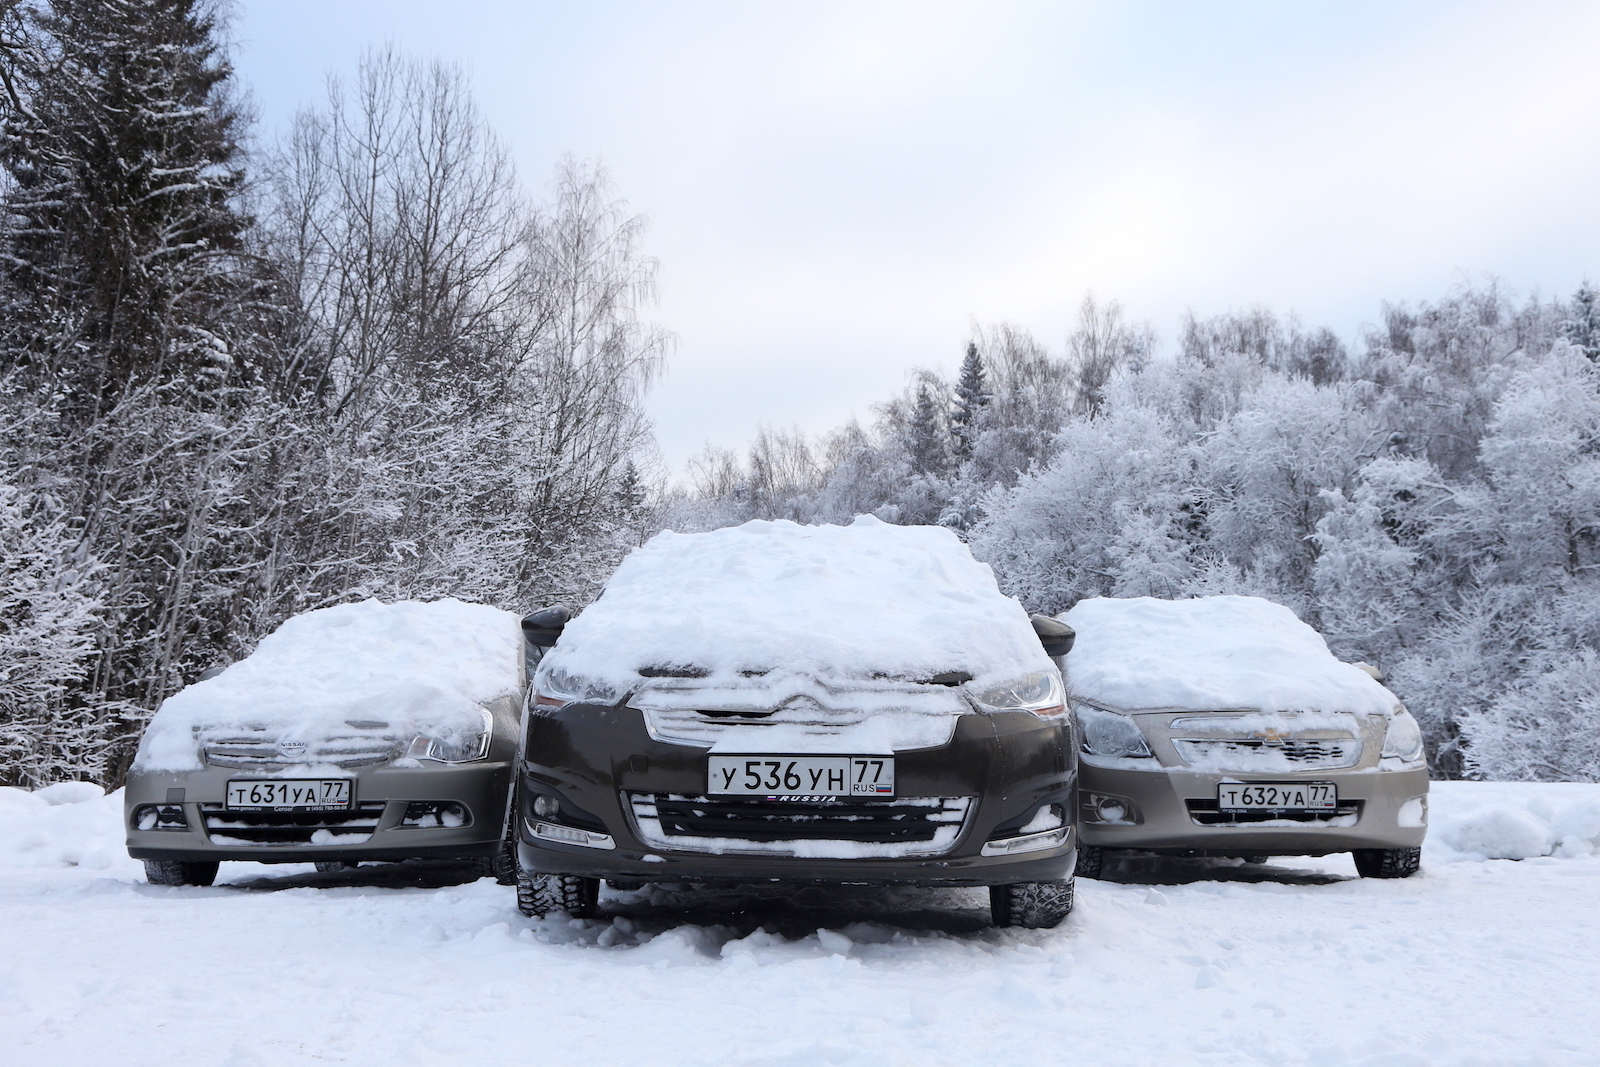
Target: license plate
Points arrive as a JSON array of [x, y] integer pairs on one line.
[[296, 794], [1277, 796], [810, 776]]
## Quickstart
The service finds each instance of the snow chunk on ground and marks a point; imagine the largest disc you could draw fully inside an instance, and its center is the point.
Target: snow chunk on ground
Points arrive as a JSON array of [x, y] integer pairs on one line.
[[420, 667], [836, 602], [69, 824], [1211, 653], [1513, 820]]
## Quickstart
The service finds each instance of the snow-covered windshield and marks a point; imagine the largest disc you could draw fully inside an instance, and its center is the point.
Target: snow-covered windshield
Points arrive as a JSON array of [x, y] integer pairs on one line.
[[758, 604], [408, 668], [1211, 653]]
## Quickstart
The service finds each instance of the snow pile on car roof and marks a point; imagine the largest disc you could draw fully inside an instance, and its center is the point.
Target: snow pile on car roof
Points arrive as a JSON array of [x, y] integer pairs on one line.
[[860, 601], [1211, 653], [414, 667]]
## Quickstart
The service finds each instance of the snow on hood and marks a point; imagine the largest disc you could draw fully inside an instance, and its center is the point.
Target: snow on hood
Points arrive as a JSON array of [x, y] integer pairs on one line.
[[1211, 653], [764, 602], [420, 667]]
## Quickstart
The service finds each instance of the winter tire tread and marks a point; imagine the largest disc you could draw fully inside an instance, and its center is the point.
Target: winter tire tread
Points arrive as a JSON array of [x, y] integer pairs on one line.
[[1387, 862], [1031, 905], [540, 894]]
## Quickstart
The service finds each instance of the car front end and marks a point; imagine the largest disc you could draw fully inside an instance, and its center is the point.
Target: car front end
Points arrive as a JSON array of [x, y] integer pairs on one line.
[[799, 781], [1246, 782], [362, 792]]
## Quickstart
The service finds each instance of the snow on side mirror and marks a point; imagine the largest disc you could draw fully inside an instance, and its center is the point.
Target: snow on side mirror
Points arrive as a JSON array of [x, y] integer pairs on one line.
[[1377, 675], [1056, 636], [544, 626]]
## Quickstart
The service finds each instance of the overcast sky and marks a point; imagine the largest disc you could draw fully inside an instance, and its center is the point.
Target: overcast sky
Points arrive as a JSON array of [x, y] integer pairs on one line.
[[838, 190]]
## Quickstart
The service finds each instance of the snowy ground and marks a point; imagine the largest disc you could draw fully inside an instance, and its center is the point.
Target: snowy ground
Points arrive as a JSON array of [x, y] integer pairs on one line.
[[1474, 962]]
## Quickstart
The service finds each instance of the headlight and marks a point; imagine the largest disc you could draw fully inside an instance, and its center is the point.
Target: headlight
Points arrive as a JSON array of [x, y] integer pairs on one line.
[[555, 687], [463, 747], [1039, 692], [1404, 739], [1105, 733]]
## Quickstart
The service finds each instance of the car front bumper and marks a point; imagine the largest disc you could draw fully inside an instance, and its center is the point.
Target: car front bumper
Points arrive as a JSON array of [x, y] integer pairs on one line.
[[1168, 812], [381, 796], [596, 759]]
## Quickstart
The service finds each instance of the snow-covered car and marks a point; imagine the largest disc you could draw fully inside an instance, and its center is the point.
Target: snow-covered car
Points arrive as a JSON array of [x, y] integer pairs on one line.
[[809, 704], [1224, 726], [366, 731]]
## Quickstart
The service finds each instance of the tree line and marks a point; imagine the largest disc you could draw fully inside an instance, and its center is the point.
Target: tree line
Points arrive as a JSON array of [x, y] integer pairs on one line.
[[240, 381], [1429, 500]]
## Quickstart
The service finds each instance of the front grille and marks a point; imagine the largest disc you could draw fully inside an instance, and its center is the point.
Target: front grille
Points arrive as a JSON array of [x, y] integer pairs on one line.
[[271, 828], [1206, 813], [823, 827], [1249, 753], [908, 727], [262, 749]]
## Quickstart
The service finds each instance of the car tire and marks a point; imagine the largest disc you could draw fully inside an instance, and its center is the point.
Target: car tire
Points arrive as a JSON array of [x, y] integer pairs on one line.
[[180, 872], [540, 894], [502, 866], [1091, 861], [1387, 862], [1030, 905]]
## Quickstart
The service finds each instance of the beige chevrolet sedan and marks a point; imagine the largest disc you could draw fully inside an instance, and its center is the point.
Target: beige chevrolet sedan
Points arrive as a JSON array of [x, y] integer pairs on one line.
[[1223, 726]]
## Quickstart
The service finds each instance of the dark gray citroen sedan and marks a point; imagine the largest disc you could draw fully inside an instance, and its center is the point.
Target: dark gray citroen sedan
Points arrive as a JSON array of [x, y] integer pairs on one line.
[[805, 704]]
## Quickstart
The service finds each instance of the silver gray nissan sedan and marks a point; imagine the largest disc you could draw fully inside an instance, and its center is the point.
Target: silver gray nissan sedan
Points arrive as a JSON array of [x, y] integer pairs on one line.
[[365, 731], [1223, 726]]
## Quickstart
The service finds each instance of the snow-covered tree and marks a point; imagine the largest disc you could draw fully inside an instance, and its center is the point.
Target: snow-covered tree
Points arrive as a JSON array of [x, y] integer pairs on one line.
[[971, 398], [126, 260], [1582, 326]]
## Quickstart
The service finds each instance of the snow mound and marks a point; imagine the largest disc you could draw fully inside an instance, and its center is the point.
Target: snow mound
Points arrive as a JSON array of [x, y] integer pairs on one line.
[[841, 602], [69, 824], [420, 667], [1211, 653], [1514, 820]]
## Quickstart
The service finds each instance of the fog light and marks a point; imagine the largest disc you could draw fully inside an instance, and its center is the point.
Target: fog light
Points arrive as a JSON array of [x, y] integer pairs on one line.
[[160, 817], [1108, 809], [1413, 813], [436, 815], [545, 805]]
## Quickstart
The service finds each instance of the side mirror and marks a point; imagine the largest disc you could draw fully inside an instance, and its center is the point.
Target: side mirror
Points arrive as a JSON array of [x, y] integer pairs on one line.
[[1056, 636], [545, 625]]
